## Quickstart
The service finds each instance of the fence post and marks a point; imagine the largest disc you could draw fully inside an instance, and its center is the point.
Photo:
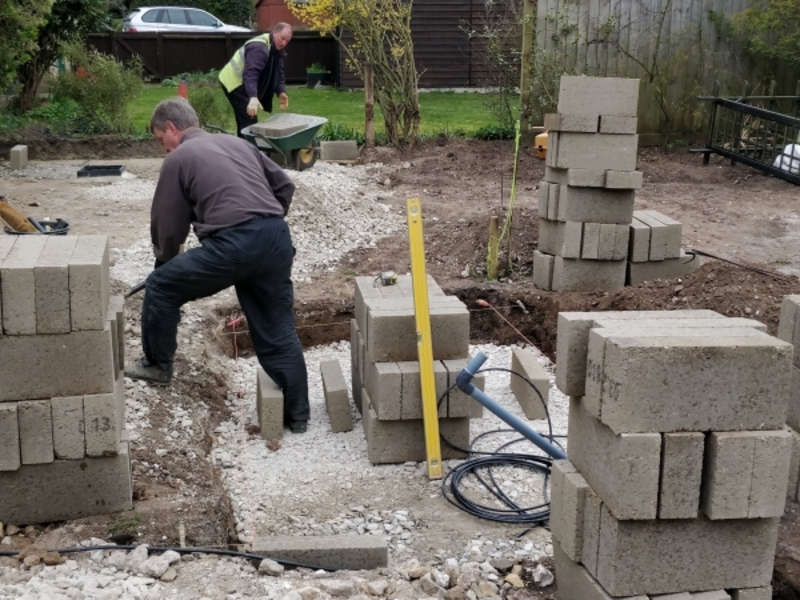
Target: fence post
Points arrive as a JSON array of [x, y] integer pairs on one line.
[[369, 106]]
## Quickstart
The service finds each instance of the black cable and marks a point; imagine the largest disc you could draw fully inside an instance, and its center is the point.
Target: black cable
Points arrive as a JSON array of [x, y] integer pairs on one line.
[[480, 465], [219, 551]]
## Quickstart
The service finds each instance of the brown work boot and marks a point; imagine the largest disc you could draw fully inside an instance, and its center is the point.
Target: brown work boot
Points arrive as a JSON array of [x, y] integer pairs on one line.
[[144, 370]]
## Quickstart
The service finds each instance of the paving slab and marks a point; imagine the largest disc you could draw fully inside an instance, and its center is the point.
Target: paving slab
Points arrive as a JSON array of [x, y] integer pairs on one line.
[[350, 552]]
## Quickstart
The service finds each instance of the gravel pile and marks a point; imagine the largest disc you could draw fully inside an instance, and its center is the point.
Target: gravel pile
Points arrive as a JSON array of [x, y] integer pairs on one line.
[[317, 468]]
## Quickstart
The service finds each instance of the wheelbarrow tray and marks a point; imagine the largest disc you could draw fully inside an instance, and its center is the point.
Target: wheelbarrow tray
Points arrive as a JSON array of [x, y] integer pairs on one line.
[[284, 132]]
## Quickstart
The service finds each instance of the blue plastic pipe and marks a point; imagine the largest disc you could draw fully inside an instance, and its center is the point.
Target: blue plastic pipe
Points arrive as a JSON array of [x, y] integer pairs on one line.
[[464, 383]]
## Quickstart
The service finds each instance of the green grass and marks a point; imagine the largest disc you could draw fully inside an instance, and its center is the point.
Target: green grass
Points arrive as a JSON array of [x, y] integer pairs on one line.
[[450, 113]]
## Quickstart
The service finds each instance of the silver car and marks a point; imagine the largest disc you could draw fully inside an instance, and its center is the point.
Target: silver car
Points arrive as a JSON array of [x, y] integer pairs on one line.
[[175, 19]]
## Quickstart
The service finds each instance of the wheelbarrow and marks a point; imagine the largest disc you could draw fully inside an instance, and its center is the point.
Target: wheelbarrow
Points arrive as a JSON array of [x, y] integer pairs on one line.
[[288, 139]]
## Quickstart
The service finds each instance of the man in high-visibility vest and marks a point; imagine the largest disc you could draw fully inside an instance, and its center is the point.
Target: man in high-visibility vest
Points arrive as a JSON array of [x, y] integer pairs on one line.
[[255, 74]]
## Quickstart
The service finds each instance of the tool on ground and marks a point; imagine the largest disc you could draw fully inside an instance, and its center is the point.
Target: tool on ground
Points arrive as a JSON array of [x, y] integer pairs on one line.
[[419, 280], [13, 218], [39, 227], [694, 252], [464, 383], [136, 289], [388, 277]]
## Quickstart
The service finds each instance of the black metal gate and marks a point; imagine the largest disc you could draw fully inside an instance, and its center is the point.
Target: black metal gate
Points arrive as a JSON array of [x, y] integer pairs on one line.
[[760, 137]]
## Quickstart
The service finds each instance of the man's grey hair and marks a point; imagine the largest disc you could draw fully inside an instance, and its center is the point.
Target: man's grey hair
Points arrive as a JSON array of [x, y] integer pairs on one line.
[[280, 27], [176, 110]]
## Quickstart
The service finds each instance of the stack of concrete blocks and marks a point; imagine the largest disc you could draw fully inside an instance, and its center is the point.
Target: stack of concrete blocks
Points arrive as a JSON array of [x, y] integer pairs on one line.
[[678, 455], [586, 198], [789, 331], [655, 248], [63, 448], [386, 371]]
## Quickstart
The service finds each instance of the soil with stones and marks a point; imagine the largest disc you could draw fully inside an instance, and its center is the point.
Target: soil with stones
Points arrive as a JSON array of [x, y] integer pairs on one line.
[[734, 212]]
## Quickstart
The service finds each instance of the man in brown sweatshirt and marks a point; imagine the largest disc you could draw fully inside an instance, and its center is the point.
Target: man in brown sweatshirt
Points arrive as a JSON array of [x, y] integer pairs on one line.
[[236, 199]]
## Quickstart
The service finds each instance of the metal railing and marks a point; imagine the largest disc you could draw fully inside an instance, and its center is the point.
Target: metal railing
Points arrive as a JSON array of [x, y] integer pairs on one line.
[[758, 136]]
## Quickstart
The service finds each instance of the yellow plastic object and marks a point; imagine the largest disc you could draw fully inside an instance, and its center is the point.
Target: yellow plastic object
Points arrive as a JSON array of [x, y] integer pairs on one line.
[[419, 281], [540, 143]]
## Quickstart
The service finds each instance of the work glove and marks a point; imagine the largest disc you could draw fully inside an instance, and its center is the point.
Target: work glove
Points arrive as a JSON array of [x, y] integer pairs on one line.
[[253, 107], [284, 100]]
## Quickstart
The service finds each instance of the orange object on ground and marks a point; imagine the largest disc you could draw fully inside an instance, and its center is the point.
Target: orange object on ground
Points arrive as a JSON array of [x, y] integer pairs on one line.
[[540, 144], [183, 89]]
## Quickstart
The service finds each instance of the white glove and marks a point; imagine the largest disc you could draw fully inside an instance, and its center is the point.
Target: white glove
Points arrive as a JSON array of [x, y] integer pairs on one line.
[[253, 107]]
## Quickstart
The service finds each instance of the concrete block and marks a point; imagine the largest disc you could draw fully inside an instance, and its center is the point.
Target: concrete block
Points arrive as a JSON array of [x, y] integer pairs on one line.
[[659, 234], [69, 439], [788, 318], [622, 469], [567, 509], [638, 242], [49, 366], [119, 392], [350, 552], [89, 284], [269, 406], [761, 593], [794, 464], [678, 596], [544, 197], [673, 235], [392, 331], [384, 384], [618, 124], [10, 459], [557, 470], [19, 157], [669, 268], [590, 248], [572, 339], [543, 270], [574, 123], [623, 180], [575, 582], [19, 286], [35, 432], [67, 489], [100, 417], [595, 205], [280, 125], [576, 275], [116, 322], [411, 403], [560, 239], [595, 178], [582, 95], [608, 243], [338, 150], [715, 595], [553, 193], [670, 556], [591, 530], [532, 400], [6, 243], [51, 280], [621, 238], [681, 475], [402, 441], [771, 462], [594, 151], [457, 403], [355, 357], [652, 383], [337, 400]]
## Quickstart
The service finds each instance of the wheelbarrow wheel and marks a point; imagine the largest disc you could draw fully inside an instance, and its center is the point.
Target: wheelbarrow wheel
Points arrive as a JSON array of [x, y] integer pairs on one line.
[[304, 158]]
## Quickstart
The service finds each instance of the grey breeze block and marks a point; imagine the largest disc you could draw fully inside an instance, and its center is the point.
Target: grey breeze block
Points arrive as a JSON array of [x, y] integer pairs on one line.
[[583, 95], [594, 151], [269, 406], [543, 270], [567, 506], [351, 552], [577, 275], [51, 277], [532, 400], [19, 286], [337, 399], [89, 283], [576, 583]]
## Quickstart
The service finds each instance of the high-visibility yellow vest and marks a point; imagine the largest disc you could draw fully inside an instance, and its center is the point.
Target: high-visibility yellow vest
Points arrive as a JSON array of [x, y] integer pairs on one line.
[[231, 74]]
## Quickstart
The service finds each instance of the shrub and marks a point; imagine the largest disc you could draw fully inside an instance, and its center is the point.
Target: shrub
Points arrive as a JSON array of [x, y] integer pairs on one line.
[[102, 87], [212, 108]]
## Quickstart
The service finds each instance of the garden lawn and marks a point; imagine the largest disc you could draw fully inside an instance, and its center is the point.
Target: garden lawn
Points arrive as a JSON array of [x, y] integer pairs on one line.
[[449, 113]]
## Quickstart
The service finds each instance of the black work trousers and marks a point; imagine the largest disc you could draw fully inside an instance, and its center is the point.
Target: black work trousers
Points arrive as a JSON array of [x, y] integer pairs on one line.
[[239, 102], [255, 257]]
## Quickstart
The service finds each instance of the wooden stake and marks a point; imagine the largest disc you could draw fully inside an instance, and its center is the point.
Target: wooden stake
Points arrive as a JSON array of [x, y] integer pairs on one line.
[[494, 242]]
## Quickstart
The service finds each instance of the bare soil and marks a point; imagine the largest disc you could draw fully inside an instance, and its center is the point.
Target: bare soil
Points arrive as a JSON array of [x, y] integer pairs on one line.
[[732, 211]]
